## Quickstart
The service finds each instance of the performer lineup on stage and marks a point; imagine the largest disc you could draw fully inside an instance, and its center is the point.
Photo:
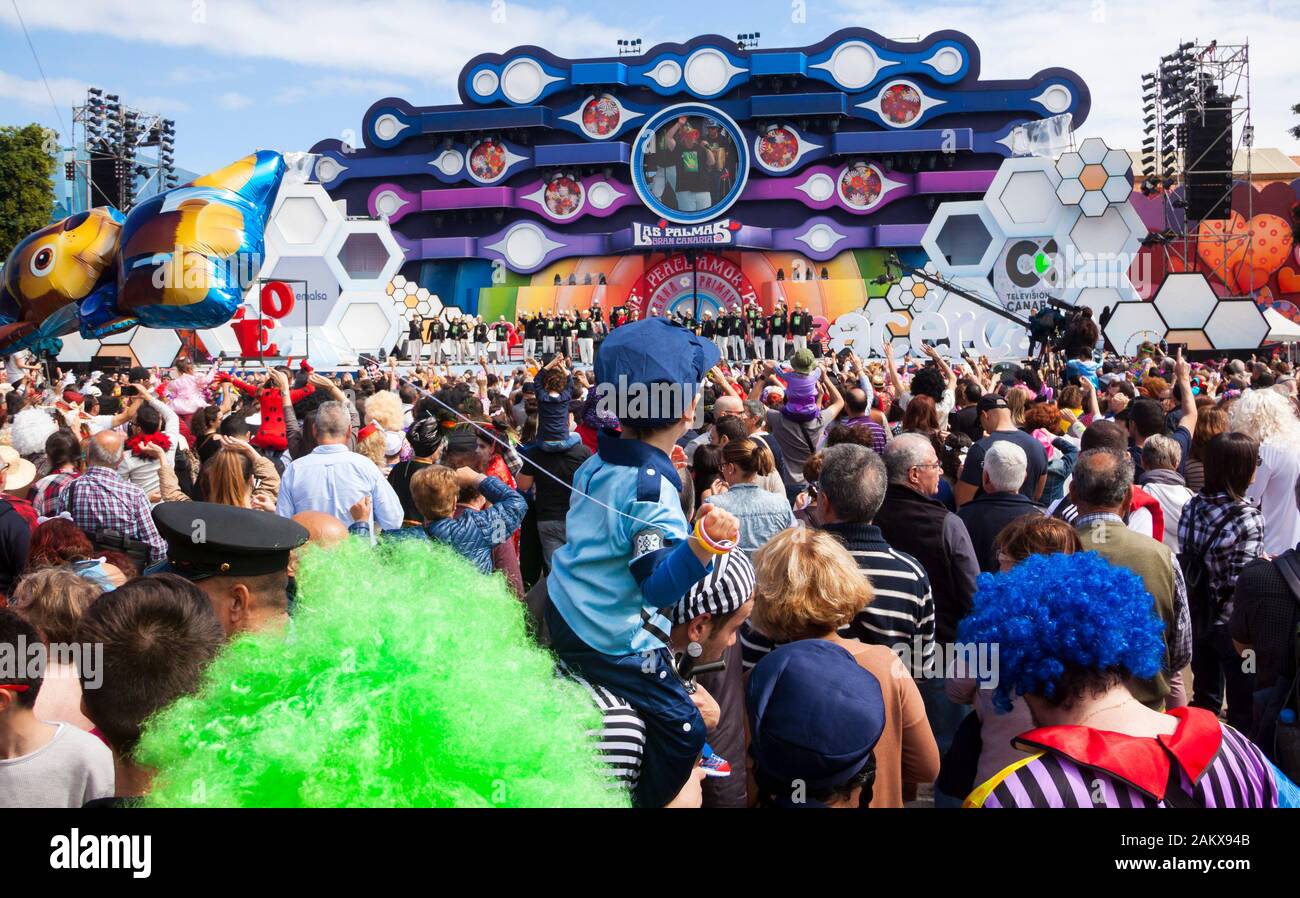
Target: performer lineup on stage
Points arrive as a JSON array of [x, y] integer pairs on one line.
[[741, 334]]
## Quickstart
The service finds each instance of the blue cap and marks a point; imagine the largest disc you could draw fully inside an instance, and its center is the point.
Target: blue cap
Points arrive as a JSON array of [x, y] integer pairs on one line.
[[815, 715], [654, 351]]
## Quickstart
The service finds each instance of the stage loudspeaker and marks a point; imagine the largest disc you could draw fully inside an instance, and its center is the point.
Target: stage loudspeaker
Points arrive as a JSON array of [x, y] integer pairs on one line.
[[106, 185], [1207, 155]]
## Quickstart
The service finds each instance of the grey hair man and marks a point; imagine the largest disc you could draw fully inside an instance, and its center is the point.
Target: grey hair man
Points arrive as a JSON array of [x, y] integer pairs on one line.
[[913, 520], [333, 479], [1161, 459], [999, 503], [1102, 489]]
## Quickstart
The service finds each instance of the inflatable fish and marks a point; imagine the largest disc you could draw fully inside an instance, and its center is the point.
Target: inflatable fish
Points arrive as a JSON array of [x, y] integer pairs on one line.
[[51, 271]]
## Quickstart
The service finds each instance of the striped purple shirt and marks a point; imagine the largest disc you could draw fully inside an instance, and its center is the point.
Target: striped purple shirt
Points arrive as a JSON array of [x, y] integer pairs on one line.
[[1213, 765]]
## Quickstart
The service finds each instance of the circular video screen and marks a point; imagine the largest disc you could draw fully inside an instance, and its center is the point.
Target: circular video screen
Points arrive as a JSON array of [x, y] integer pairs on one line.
[[689, 163]]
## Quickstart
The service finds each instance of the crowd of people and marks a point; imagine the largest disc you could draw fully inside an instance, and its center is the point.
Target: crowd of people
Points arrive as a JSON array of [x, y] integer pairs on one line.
[[807, 581]]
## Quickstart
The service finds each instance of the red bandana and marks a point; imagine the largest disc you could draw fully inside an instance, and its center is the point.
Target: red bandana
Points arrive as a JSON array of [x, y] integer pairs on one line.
[[142, 439]]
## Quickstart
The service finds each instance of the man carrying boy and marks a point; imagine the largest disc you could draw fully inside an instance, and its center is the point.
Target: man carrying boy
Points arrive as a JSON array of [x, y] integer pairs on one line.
[[630, 553]]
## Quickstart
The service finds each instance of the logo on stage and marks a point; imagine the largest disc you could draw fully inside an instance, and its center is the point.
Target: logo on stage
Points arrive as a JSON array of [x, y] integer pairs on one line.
[[718, 282], [715, 233]]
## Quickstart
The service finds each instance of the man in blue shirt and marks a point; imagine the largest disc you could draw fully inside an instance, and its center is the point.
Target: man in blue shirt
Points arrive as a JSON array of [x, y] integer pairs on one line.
[[630, 553], [333, 478]]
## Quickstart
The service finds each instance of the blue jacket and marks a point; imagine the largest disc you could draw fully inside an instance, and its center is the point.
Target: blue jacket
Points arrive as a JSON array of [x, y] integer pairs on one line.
[[474, 533]]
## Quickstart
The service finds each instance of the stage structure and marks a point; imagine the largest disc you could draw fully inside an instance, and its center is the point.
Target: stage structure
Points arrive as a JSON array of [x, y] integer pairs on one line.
[[880, 185], [707, 173]]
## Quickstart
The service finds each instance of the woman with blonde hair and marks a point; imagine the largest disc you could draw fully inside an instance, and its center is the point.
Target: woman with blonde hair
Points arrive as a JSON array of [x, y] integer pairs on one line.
[[235, 474], [53, 600], [1269, 418], [762, 514], [382, 439], [808, 586]]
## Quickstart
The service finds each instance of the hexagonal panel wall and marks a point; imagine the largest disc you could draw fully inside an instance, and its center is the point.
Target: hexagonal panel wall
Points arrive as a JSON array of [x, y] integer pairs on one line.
[[1132, 324], [1094, 177], [155, 347], [963, 239], [1236, 324], [367, 322], [1185, 300], [364, 255], [915, 293], [1023, 197], [220, 341], [303, 221], [77, 349]]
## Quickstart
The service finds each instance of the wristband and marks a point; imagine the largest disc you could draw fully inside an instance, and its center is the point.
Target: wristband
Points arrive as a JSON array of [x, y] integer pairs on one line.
[[714, 547]]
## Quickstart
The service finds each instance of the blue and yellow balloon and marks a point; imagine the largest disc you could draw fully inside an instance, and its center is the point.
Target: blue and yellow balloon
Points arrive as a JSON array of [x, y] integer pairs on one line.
[[182, 259]]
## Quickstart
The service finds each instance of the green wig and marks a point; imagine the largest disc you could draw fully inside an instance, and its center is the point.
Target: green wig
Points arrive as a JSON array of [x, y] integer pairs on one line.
[[405, 679]]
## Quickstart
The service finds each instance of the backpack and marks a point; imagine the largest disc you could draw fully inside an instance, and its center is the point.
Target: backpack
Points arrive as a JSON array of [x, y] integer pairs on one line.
[[1202, 603]]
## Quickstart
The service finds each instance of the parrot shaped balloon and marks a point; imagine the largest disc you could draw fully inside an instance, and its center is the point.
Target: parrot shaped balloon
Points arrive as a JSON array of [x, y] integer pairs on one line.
[[50, 272], [187, 256]]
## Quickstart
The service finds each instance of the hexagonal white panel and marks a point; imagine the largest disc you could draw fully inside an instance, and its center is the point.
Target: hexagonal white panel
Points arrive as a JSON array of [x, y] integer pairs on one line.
[[77, 348], [1023, 198], [303, 221], [1117, 189], [1093, 151], [1070, 192], [1070, 165], [364, 255], [963, 239], [1133, 323], [1110, 240], [220, 341], [1185, 300], [155, 347], [1236, 324], [367, 322]]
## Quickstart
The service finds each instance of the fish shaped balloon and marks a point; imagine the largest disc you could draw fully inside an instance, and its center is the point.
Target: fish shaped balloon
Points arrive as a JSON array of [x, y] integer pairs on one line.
[[53, 270], [188, 256]]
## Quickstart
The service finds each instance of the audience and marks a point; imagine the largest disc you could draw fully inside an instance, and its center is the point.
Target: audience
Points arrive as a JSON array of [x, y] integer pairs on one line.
[[1106, 523]]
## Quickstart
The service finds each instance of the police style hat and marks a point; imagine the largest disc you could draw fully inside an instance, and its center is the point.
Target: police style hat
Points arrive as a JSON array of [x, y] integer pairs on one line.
[[815, 715], [205, 539], [652, 351]]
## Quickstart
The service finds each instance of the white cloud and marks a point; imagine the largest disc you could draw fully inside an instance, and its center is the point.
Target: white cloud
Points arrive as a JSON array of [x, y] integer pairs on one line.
[[341, 35], [69, 92], [233, 100], [1110, 44], [31, 92]]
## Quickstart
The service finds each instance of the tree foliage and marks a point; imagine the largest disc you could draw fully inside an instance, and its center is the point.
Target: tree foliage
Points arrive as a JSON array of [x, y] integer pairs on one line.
[[26, 191]]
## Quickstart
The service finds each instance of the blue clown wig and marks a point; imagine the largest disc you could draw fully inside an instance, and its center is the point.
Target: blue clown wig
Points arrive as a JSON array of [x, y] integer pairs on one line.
[[1051, 613]]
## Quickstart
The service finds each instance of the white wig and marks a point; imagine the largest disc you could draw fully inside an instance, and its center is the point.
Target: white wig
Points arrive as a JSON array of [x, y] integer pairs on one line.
[[1266, 416], [30, 429]]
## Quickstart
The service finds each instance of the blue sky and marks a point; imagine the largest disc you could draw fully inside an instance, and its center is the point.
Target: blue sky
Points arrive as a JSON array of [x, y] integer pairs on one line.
[[239, 75]]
